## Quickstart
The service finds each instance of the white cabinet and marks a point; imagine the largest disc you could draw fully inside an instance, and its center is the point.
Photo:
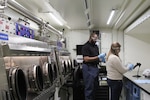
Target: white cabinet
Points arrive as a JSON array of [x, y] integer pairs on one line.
[[144, 95]]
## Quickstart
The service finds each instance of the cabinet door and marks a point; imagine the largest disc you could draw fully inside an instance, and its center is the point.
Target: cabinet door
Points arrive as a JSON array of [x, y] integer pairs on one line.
[[144, 95]]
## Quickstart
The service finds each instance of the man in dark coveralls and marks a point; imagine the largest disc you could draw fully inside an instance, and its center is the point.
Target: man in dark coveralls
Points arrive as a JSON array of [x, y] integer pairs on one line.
[[91, 59]]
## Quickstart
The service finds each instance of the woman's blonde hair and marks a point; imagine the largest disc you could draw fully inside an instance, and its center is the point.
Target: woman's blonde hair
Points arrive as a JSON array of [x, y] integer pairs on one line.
[[114, 46]]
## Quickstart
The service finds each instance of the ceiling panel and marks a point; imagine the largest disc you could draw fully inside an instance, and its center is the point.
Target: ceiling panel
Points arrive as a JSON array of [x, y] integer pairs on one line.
[[143, 28], [73, 12], [141, 31], [102, 9]]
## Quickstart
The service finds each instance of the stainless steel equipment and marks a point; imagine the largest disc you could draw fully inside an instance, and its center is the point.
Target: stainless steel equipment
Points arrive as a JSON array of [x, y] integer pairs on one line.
[[32, 70], [50, 71], [31, 67], [35, 78], [70, 65], [4, 90], [63, 56], [66, 75], [27, 73], [17, 83], [64, 67], [47, 74]]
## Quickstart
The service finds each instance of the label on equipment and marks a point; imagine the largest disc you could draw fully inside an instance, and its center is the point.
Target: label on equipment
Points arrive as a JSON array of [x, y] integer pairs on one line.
[[3, 36]]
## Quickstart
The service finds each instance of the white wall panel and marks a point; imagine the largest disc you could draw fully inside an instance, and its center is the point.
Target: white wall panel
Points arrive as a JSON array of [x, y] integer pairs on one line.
[[108, 37], [106, 40], [137, 51], [76, 37]]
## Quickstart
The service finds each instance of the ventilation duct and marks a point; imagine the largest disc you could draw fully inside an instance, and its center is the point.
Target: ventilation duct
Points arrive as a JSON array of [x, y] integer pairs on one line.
[[88, 7]]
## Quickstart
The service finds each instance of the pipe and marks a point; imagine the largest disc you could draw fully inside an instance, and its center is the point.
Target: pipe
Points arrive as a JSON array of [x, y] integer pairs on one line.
[[28, 14]]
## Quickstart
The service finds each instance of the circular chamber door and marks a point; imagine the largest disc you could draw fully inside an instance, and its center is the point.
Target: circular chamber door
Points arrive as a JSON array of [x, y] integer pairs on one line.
[[54, 71], [70, 65], [35, 78], [64, 67], [17, 84], [47, 74], [67, 67]]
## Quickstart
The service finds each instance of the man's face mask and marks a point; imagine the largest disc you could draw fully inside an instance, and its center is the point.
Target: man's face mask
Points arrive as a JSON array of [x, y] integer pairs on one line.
[[93, 39], [97, 43]]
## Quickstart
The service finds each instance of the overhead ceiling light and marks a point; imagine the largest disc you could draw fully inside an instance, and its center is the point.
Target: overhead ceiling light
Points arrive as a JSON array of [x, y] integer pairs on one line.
[[56, 19], [111, 16]]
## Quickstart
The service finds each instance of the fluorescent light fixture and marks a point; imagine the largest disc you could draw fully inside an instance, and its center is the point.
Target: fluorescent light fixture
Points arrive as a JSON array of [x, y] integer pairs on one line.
[[140, 20], [58, 21], [111, 16]]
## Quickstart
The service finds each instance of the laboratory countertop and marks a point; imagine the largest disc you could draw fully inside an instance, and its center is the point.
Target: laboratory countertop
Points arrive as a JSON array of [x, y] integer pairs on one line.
[[142, 82]]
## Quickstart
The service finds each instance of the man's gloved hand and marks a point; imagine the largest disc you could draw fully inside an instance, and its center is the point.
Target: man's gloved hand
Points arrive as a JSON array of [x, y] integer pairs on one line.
[[130, 66], [102, 57]]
